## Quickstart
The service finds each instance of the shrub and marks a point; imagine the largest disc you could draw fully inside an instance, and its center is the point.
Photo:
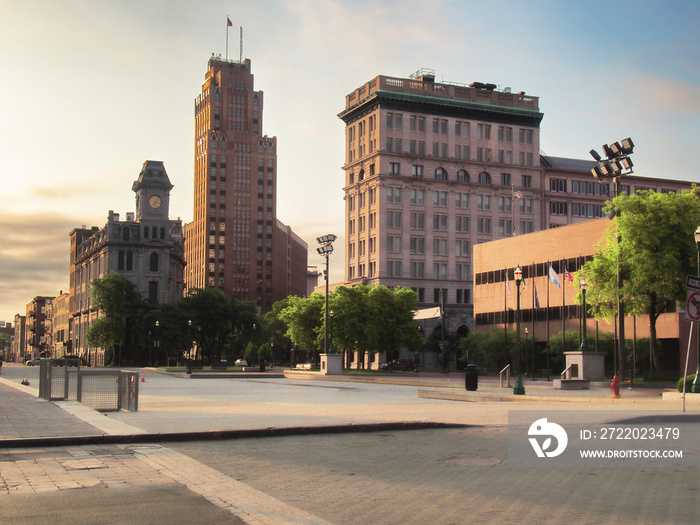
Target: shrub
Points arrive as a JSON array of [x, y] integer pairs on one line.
[[688, 383]]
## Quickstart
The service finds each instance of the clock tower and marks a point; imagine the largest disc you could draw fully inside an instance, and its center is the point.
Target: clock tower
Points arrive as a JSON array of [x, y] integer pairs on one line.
[[152, 192]]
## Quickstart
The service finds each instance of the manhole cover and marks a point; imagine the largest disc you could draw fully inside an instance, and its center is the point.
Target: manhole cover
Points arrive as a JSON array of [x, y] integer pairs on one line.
[[474, 462]]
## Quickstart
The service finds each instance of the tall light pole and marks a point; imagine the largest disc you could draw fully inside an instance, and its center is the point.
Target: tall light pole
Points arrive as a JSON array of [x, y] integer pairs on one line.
[[584, 344], [696, 382], [326, 248], [518, 389], [613, 167]]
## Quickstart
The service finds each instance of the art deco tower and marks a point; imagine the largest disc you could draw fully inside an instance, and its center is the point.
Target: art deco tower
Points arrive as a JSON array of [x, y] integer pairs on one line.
[[231, 241]]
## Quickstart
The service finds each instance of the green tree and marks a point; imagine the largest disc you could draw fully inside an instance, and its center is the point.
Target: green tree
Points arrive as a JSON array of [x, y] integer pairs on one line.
[[353, 325], [488, 346], [120, 306], [392, 316], [656, 253], [303, 318], [211, 320]]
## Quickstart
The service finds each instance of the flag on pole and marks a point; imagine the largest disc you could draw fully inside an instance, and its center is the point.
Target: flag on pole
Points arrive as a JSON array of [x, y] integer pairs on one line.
[[517, 193], [553, 276], [507, 282], [537, 299], [569, 278], [228, 22]]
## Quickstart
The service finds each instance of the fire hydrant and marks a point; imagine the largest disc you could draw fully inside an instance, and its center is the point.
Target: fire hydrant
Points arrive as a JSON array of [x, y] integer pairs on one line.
[[615, 385]]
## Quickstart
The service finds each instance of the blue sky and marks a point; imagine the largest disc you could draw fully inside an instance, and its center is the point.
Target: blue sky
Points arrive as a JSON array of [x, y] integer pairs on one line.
[[89, 90]]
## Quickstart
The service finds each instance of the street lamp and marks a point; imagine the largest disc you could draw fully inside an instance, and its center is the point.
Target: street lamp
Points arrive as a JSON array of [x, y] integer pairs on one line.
[[326, 248], [696, 382], [156, 343], [584, 344], [518, 389], [330, 346], [613, 167]]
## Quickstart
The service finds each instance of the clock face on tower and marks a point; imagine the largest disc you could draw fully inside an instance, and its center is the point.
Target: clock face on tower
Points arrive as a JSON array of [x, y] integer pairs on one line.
[[154, 201]]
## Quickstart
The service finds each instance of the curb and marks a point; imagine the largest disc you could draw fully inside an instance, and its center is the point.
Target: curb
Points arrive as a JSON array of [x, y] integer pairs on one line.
[[486, 397], [212, 435]]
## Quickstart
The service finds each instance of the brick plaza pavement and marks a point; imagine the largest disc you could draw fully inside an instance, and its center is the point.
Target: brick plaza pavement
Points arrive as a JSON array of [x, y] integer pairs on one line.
[[441, 476]]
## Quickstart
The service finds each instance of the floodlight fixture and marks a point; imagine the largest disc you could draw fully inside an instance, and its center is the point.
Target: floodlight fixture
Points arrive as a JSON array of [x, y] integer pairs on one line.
[[627, 163], [595, 155], [326, 238], [627, 146], [616, 148], [325, 249], [609, 153]]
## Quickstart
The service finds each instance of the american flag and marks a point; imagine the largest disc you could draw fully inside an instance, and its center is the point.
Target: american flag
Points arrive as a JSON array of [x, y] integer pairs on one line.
[[569, 278], [517, 194]]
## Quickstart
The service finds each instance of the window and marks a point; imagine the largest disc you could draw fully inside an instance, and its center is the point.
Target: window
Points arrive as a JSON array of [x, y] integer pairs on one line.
[[463, 296], [462, 200], [393, 194], [441, 174], [417, 197], [153, 264], [462, 272], [129, 261], [417, 170], [412, 123], [393, 268], [505, 179], [372, 221], [527, 227], [125, 234], [440, 198], [462, 249], [458, 128], [389, 144], [412, 147], [527, 181], [440, 270], [418, 221], [120, 260], [436, 125], [439, 246], [153, 290], [525, 205], [436, 149], [398, 121], [483, 202], [529, 136], [505, 204], [393, 244], [389, 120], [417, 269], [462, 176], [421, 123], [440, 222], [483, 225], [393, 219], [395, 168], [417, 245], [484, 178], [461, 223], [557, 208], [557, 185], [505, 227], [421, 147]]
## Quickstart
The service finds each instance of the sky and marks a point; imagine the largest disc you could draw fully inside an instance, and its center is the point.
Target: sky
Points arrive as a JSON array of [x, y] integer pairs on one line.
[[90, 89]]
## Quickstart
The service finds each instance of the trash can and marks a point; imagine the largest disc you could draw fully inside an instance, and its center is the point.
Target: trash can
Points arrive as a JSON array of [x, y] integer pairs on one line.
[[471, 378]]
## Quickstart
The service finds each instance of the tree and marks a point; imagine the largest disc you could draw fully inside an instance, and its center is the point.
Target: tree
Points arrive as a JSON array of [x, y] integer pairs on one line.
[[487, 346], [211, 320], [302, 316], [119, 304], [656, 253], [393, 320]]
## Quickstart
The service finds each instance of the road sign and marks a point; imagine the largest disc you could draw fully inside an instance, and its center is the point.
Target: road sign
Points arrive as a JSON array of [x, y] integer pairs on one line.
[[693, 282], [692, 305]]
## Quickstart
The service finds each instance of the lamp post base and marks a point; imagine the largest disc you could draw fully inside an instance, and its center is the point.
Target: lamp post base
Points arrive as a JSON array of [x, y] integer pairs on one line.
[[518, 388]]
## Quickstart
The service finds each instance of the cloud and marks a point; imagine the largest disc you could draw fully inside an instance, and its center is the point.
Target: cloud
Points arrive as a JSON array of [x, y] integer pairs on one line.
[[34, 259]]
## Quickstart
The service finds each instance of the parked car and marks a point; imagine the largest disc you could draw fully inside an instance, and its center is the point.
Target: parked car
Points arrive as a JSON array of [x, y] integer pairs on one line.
[[400, 364], [33, 362], [240, 362]]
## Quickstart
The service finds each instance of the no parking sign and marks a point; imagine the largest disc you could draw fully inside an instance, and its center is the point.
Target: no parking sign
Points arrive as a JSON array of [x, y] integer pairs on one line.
[[692, 302]]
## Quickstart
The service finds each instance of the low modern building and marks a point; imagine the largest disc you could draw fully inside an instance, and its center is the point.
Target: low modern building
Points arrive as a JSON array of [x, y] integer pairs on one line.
[[547, 309], [147, 248]]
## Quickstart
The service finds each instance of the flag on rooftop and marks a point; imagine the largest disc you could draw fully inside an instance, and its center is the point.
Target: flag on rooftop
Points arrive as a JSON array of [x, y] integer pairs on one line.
[[228, 22]]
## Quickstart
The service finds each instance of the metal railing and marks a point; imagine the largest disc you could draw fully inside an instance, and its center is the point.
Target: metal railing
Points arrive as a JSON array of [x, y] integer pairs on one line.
[[104, 390], [505, 372], [566, 374]]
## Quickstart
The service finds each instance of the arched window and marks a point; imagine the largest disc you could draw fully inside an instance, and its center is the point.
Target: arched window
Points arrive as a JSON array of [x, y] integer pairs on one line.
[[484, 178], [125, 234], [361, 176], [154, 262], [120, 261], [129, 261], [462, 176], [441, 174]]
